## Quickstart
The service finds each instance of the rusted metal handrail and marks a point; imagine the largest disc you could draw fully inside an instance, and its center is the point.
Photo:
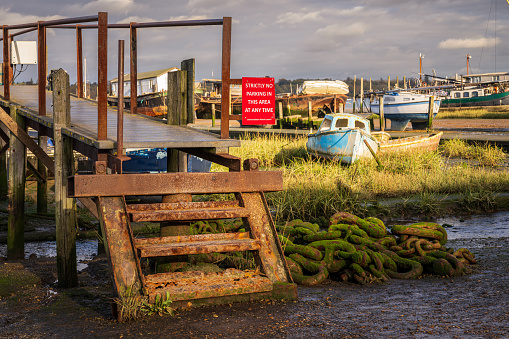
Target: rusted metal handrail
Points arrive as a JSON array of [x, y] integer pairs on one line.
[[102, 26], [181, 23], [54, 22]]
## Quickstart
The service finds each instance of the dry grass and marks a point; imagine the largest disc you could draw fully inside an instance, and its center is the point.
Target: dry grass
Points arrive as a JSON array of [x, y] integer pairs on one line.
[[501, 112], [315, 188]]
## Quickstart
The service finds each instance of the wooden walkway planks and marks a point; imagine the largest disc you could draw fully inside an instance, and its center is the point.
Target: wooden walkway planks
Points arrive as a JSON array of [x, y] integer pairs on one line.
[[139, 131]]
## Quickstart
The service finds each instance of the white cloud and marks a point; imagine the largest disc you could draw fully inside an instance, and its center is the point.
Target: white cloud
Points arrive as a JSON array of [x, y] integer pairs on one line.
[[342, 30], [467, 43], [12, 18], [112, 6], [135, 19], [300, 17]]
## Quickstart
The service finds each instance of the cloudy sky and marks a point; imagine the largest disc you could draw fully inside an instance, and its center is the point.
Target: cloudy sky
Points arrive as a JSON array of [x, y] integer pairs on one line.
[[287, 38]]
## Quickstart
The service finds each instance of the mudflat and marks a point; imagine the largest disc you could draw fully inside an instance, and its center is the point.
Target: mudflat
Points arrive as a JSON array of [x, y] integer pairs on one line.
[[471, 306]]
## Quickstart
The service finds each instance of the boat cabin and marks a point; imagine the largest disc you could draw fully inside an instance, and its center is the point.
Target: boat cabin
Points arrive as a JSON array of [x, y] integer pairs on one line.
[[469, 93], [148, 82], [343, 121]]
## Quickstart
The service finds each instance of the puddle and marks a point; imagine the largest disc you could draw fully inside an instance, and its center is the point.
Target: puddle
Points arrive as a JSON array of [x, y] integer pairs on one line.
[[494, 225], [481, 226], [86, 250]]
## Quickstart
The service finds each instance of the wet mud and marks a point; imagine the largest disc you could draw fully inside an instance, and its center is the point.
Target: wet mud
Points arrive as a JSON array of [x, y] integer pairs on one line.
[[470, 306]]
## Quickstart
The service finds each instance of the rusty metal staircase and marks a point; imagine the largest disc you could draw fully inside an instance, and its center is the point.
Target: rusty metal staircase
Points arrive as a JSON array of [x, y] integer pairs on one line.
[[125, 252]]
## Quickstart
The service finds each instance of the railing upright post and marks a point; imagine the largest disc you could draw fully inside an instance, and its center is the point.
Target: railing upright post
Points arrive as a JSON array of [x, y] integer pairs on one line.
[[134, 69], [225, 77], [7, 64], [102, 86], [79, 61]]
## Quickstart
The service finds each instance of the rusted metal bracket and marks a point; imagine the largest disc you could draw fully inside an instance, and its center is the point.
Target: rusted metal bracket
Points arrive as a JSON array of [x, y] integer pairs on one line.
[[116, 162], [100, 166], [174, 183], [223, 159], [250, 164]]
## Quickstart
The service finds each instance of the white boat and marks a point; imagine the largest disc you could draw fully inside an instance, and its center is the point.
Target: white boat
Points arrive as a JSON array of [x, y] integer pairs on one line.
[[404, 107], [324, 87]]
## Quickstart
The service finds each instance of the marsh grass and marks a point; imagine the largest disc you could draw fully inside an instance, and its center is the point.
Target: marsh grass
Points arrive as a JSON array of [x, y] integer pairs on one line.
[[129, 305], [474, 113], [485, 154], [314, 188]]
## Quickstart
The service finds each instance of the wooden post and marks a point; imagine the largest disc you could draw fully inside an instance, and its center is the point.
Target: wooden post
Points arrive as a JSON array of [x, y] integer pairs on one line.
[[188, 66], [430, 111], [16, 218], [65, 208], [310, 114], [382, 120], [404, 82], [42, 187], [370, 85], [177, 98], [362, 96], [4, 186], [288, 108], [176, 160], [389, 83], [213, 113], [353, 104]]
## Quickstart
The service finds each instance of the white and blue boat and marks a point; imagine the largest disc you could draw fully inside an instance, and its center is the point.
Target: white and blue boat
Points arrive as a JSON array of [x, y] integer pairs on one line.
[[344, 137], [404, 107]]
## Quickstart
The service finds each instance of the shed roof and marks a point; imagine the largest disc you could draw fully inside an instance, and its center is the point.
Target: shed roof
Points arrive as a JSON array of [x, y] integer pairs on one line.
[[148, 75]]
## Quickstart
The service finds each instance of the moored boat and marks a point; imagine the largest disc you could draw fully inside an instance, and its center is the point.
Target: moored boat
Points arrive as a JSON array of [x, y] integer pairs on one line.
[[344, 137], [404, 107], [323, 87], [476, 97], [424, 142]]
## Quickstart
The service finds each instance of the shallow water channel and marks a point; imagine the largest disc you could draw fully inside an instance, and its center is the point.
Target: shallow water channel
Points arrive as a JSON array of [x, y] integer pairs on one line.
[[86, 249], [484, 226]]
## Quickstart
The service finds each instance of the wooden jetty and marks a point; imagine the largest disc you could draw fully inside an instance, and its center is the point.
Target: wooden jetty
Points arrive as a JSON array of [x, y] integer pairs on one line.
[[101, 134]]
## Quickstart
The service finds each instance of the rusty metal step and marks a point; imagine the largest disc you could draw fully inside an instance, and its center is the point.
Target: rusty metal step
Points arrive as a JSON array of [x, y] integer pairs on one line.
[[186, 211], [197, 285], [195, 244]]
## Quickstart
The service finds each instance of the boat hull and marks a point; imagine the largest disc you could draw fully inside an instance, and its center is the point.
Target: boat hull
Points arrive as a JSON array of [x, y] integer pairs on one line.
[[496, 99], [346, 146], [427, 142], [415, 111]]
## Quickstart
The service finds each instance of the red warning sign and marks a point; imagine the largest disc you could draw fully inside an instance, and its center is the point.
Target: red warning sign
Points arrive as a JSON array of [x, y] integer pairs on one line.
[[258, 101]]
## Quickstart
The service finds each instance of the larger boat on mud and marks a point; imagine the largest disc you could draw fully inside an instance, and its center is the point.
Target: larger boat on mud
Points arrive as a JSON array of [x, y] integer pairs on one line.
[[476, 90], [404, 107]]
